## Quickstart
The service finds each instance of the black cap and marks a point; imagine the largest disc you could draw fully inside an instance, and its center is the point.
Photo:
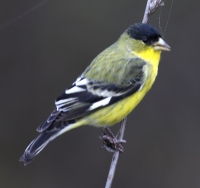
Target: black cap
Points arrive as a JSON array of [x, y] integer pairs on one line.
[[145, 32]]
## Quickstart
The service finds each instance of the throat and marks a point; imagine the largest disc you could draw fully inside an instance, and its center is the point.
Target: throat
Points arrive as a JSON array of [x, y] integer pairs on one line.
[[149, 55]]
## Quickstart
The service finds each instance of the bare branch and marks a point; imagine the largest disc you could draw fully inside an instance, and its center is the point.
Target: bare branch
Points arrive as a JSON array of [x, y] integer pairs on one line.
[[151, 7], [115, 155]]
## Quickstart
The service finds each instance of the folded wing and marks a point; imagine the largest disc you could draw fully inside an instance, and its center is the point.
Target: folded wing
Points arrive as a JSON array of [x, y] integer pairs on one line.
[[86, 96]]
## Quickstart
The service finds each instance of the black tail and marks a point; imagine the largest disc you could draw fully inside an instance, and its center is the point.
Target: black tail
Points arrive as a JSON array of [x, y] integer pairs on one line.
[[36, 146]]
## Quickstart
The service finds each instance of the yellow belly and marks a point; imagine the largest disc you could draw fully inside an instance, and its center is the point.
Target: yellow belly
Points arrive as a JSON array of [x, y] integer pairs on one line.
[[115, 113]]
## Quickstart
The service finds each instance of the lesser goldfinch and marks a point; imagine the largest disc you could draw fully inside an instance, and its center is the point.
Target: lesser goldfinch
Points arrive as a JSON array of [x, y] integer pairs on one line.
[[108, 90]]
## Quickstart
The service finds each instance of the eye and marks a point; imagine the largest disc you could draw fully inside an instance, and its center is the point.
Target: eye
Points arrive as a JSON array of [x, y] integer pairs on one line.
[[145, 40]]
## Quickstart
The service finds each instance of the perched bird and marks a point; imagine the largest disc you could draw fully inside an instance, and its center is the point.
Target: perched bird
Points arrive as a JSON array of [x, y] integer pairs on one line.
[[108, 90]]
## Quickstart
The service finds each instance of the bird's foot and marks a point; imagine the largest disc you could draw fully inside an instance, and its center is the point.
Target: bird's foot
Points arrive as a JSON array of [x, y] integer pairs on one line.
[[110, 142]]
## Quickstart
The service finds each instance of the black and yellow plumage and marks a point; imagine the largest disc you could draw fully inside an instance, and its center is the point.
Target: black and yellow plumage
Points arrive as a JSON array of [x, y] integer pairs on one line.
[[108, 90]]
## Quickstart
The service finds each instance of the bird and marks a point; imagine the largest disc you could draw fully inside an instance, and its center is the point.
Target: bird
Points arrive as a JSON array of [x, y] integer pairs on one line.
[[109, 88]]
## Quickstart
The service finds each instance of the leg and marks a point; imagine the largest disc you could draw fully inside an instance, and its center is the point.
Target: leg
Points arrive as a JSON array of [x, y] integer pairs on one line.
[[110, 142]]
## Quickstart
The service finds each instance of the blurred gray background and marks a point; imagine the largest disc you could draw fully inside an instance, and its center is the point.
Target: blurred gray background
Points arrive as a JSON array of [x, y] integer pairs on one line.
[[42, 51]]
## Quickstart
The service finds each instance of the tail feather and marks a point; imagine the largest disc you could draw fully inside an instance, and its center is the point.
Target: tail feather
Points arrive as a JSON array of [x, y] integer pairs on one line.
[[38, 144]]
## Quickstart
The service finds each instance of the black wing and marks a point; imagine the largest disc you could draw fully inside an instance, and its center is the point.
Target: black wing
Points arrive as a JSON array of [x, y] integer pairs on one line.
[[86, 96]]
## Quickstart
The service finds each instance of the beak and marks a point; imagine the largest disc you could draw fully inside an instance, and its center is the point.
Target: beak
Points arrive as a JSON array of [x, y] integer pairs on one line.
[[161, 45]]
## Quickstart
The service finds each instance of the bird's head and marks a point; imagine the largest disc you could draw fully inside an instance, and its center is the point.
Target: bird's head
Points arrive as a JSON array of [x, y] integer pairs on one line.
[[144, 41], [146, 36]]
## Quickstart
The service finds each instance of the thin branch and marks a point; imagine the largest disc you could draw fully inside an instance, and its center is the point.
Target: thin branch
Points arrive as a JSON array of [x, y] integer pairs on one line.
[[115, 155], [151, 7], [22, 15]]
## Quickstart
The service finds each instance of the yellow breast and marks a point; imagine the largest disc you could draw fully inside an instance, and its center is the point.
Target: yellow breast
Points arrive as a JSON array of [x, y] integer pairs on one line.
[[116, 112]]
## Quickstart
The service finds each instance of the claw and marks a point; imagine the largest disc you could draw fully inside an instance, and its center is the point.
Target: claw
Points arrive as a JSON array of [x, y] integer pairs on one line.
[[110, 142]]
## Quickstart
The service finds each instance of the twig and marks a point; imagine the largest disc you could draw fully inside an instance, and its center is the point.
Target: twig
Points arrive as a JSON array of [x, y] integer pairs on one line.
[[115, 155], [151, 7]]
